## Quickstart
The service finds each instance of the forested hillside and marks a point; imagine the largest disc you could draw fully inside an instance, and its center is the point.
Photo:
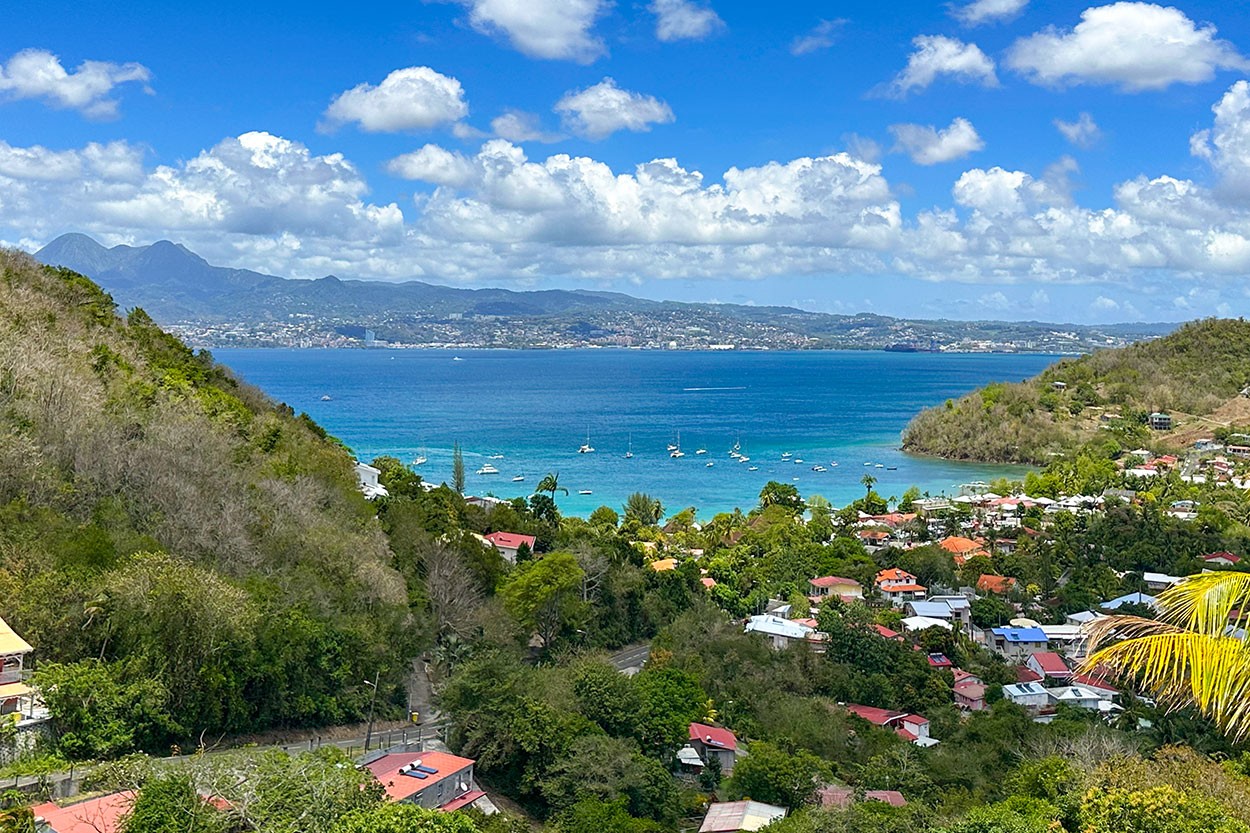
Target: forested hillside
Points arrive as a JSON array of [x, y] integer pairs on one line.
[[1195, 374], [185, 555]]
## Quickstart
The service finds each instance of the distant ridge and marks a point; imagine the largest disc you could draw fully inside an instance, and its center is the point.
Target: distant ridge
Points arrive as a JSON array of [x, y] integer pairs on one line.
[[214, 305]]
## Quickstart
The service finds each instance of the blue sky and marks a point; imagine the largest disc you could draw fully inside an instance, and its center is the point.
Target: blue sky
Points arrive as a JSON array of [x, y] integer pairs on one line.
[[986, 159]]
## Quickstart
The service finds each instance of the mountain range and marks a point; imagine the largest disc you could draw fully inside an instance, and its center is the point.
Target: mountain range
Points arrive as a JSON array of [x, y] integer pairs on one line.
[[220, 306]]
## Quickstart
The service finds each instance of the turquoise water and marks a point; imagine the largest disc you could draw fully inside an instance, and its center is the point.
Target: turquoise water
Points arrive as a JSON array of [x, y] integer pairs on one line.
[[536, 408]]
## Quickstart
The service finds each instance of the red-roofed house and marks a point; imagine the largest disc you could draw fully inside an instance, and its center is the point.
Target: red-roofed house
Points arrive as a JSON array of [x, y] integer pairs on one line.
[[1000, 585], [509, 542], [958, 545], [431, 780], [886, 633], [96, 815], [1221, 559], [962, 676], [842, 797], [940, 661], [913, 727], [1049, 665], [970, 695], [827, 586], [1024, 674], [715, 742], [899, 586]]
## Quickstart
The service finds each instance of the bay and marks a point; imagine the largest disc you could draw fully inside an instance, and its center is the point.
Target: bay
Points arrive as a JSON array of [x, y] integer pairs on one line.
[[537, 407]]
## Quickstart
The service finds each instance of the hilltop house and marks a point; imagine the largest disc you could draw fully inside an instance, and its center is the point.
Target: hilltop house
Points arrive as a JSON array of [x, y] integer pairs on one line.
[[998, 585], [736, 816], [1221, 559], [433, 780], [782, 633], [509, 544], [912, 727], [899, 586], [834, 587], [367, 478], [1159, 421], [95, 815], [1032, 696], [970, 695], [713, 742]]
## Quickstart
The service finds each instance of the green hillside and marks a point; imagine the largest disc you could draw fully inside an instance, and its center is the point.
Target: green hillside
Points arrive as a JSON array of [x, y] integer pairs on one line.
[[1195, 374], [184, 546]]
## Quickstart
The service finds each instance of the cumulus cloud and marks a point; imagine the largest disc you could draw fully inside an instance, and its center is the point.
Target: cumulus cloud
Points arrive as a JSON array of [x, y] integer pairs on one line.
[[1227, 145], [549, 29], [435, 165], [988, 11], [684, 20], [518, 126], [936, 56], [38, 74], [414, 98], [1084, 132], [823, 36], [1134, 46], [599, 111], [928, 146]]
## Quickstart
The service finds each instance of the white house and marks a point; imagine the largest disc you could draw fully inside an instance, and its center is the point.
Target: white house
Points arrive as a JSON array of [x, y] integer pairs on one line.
[[510, 543], [1080, 696], [1160, 581], [782, 633], [899, 586], [367, 477], [1030, 695]]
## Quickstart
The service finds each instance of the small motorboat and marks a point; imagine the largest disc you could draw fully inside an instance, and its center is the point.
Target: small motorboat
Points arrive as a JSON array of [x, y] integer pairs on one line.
[[584, 492], [487, 468]]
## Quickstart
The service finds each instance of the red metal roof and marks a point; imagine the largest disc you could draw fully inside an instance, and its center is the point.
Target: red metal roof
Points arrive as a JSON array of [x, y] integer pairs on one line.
[[1051, 663], [510, 540], [399, 787], [713, 736], [830, 581], [1024, 674], [886, 632], [1228, 556], [96, 815], [463, 801], [879, 717]]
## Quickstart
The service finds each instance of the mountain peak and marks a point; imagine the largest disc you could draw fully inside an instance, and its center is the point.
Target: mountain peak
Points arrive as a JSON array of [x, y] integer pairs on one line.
[[76, 251]]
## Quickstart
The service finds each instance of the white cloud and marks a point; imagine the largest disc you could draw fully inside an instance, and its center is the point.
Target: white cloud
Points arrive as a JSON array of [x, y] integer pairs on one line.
[[988, 11], [1083, 132], [599, 111], [995, 301], [1039, 300], [435, 165], [936, 56], [1135, 46], [549, 29], [684, 20], [413, 98], [38, 74], [517, 126], [1104, 304], [823, 36], [928, 146], [1227, 145]]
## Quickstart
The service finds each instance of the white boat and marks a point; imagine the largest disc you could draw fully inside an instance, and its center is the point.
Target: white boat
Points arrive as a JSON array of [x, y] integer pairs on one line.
[[700, 451], [744, 459], [834, 463], [753, 468], [672, 447], [798, 460], [710, 464], [584, 492], [879, 465], [520, 478], [419, 460], [675, 451], [629, 452], [586, 447], [867, 464], [819, 468], [453, 358], [327, 398], [495, 457], [786, 455], [487, 468]]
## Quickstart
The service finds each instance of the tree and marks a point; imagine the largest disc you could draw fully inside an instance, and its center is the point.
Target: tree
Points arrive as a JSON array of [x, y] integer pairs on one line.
[[1185, 657], [868, 482], [611, 769], [403, 818], [775, 776], [399, 480], [785, 495], [990, 611], [604, 516], [457, 468], [643, 509], [543, 595], [170, 804], [98, 714], [550, 484], [592, 816]]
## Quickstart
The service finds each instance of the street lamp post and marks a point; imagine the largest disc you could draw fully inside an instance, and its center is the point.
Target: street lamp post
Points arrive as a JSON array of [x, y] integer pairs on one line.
[[372, 699]]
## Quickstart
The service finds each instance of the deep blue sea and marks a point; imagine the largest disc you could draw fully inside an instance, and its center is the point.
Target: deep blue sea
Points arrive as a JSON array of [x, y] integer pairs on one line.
[[537, 407]]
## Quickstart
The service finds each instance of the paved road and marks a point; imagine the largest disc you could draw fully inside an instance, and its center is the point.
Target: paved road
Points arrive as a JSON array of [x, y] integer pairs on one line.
[[630, 659]]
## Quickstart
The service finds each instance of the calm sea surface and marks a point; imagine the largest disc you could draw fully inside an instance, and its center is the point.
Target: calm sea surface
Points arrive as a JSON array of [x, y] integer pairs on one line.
[[536, 407]]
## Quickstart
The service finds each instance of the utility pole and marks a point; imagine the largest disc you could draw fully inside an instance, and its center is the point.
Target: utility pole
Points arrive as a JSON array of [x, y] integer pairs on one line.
[[372, 700]]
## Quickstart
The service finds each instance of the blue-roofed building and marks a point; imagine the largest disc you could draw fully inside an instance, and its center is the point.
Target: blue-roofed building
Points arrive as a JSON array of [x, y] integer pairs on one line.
[[1016, 643], [1131, 598]]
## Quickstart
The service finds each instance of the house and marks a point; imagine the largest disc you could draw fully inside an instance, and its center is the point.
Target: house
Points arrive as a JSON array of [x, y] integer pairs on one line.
[[1221, 559], [1030, 695], [912, 727], [96, 815], [949, 609], [664, 565], [367, 478], [782, 633], [835, 587], [713, 742], [899, 586], [962, 676], [960, 605], [1083, 617], [1160, 581], [433, 780], [962, 549], [1016, 643], [1098, 684], [1160, 421], [999, 585], [839, 798], [15, 695], [734, 816], [1130, 598], [510, 543], [940, 661], [1049, 665], [970, 695], [911, 624], [886, 633], [1075, 695]]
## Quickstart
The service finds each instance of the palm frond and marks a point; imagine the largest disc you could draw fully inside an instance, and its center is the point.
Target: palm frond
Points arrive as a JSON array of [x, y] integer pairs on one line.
[[1179, 667], [1203, 603]]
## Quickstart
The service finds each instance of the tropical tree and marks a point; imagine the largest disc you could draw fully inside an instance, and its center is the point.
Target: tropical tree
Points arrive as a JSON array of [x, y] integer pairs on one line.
[[1188, 656], [869, 481], [785, 495], [457, 468], [643, 508], [550, 484]]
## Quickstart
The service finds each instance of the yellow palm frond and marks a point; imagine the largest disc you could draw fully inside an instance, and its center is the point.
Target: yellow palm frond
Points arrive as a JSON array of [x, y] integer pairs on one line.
[[1179, 667], [1203, 603]]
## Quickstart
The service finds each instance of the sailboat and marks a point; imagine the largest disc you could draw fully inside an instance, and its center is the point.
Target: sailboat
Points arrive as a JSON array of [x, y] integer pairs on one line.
[[586, 448], [520, 478], [420, 459], [629, 453], [676, 450]]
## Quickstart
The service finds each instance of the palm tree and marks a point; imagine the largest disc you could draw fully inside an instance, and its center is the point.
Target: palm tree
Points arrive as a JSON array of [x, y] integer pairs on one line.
[[1189, 656], [869, 481], [550, 484], [643, 508]]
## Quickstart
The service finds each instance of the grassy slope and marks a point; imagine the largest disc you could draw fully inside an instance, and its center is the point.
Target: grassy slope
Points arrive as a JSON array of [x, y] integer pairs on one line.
[[116, 439], [1192, 373]]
